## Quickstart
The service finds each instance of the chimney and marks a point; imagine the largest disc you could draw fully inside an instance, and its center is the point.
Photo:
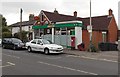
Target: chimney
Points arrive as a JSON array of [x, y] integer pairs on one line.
[[31, 17], [110, 12], [55, 11], [75, 14]]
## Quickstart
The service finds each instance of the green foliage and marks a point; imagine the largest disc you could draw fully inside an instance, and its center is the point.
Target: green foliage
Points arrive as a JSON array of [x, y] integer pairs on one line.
[[6, 34], [4, 23], [92, 48], [5, 29], [24, 35]]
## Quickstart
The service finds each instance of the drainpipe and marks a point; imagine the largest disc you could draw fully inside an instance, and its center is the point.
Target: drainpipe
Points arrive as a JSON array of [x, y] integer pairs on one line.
[[53, 35], [53, 32]]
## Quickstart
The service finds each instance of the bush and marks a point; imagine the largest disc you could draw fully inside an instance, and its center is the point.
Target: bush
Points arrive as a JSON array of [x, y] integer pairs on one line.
[[24, 35], [92, 48], [6, 34], [107, 46]]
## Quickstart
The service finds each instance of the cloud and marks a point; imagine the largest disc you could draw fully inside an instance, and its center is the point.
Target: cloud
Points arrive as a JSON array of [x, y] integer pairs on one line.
[[99, 7]]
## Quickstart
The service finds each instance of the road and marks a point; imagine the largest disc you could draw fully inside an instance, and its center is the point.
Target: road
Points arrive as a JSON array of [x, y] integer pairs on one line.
[[21, 62]]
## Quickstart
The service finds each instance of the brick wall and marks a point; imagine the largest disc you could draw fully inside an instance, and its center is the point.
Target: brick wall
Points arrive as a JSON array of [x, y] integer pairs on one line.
[[112, 31], [96, 38]]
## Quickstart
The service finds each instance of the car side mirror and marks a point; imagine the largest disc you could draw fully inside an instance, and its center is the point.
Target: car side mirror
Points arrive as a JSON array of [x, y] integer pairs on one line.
[[41, 43]]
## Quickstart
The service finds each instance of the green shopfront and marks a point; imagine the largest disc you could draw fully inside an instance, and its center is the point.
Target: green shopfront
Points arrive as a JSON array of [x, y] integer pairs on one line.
[[60, 33]]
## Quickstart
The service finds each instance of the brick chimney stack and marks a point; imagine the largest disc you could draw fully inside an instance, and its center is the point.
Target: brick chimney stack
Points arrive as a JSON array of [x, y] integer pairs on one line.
[[31, 17], [55, 11], [75, 14], [110, 12]]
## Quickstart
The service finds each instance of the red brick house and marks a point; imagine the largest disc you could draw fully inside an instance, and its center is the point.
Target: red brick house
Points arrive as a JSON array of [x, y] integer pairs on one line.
[[104, 29]]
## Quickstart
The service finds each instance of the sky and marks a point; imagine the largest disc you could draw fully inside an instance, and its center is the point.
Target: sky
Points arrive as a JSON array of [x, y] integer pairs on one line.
[[10, 9]]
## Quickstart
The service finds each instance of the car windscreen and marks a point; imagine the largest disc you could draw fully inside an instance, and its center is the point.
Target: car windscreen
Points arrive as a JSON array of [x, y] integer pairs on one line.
[[16, 40], [46, 41]]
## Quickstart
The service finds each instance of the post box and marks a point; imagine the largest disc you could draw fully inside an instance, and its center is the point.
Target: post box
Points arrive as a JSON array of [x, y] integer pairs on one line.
[[73, 42]]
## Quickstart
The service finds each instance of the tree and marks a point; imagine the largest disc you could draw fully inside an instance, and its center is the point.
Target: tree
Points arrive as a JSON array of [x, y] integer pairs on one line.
[[24, 35], [4, 30], [4, 23]]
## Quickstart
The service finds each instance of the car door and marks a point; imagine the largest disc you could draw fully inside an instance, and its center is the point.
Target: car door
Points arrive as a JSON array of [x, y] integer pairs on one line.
[[40, 46], [10, 43], [33, 45]]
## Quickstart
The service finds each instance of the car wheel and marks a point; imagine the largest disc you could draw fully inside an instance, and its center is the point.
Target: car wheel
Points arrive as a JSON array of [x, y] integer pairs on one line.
[[14, 48], [29, 49], [3, 46], [46, 51]]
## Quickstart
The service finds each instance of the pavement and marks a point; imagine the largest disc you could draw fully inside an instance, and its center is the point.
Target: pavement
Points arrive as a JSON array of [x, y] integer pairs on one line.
[[106, 55]]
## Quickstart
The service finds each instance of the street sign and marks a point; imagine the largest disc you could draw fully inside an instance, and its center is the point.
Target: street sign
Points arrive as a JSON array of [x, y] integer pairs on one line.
[[50, 26], [89, 28]]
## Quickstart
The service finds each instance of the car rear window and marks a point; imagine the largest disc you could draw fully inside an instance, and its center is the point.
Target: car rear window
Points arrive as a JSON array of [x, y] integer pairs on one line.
[[16, 40]]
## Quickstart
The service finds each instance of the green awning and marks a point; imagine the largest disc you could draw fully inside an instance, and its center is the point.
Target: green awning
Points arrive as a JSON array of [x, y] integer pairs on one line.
[[39, 26], [68, 25], [57, 25]]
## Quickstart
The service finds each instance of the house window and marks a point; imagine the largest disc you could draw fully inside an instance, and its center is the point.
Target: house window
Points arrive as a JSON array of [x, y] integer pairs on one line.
[[104, 36]]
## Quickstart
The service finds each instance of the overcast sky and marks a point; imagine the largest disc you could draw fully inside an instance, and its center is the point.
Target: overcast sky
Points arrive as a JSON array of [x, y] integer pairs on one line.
[[10, 9]]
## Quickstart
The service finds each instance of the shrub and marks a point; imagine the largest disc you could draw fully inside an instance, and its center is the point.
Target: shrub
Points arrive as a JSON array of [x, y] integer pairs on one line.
[[92, 48], [6, 34], [24, 35]]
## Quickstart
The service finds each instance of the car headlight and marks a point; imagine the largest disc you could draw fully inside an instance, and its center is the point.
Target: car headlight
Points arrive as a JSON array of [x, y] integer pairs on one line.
[[51, 47], [18, 45]]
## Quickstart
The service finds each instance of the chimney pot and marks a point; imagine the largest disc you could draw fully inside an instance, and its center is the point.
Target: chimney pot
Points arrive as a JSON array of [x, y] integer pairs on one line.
[[75, 14], [110, 12]]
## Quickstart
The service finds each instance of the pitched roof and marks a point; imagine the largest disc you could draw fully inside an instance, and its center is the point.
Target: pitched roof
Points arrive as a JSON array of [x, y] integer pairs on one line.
[[98, 22], [24, 23], [56, 17]]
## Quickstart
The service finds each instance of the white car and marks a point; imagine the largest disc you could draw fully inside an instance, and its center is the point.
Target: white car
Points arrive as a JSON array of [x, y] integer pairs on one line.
[[43, 46], [118, 47], [0, 42]]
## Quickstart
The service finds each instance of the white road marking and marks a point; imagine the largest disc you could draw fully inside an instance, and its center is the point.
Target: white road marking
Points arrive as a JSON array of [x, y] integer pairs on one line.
[[92, 58], [72, 69], [111, 56], [9, 64], [53, 57], [12, 56]]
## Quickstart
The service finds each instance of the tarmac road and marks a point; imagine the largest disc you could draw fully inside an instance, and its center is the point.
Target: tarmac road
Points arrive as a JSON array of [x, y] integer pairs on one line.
[[21, 62]]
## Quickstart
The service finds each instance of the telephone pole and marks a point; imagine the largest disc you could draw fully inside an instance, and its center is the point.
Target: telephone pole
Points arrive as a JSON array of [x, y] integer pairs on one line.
[[90, 23], [21, 23], [90, 30]]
